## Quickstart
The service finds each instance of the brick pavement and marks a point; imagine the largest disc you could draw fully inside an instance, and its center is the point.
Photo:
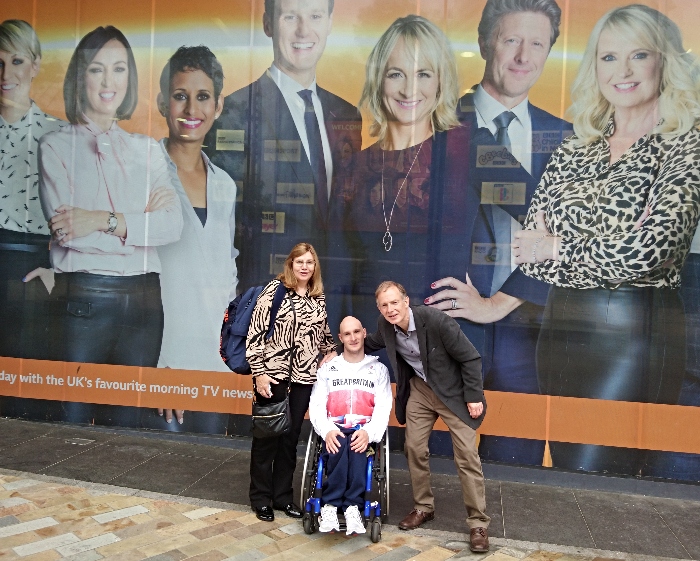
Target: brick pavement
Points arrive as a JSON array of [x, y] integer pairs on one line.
[[52, 519]]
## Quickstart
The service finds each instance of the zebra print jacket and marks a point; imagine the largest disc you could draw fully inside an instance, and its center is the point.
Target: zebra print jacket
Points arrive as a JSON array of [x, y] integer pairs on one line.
[[305, 337]]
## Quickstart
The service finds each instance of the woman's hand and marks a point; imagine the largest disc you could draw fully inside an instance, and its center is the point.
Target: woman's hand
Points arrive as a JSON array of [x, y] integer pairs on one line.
[[179, 415], [71, 222], [462, 300], [160, 198], [263, 385], [535, 246], [327, 357], [46, 276]]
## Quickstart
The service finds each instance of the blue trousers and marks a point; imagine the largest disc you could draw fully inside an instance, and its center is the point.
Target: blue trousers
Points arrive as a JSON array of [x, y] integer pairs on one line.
[[346, 475]]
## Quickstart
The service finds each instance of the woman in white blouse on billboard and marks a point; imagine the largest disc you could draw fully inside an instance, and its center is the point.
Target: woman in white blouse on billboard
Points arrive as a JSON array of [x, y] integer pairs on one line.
[[109, 201], [199, 275], [24, 234]]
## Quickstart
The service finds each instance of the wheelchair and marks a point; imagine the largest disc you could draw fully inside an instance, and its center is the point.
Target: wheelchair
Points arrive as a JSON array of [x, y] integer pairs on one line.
[[376, 510]]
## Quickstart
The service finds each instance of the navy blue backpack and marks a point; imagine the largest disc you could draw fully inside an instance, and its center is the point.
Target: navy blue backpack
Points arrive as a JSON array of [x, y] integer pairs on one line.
[[234, 330]]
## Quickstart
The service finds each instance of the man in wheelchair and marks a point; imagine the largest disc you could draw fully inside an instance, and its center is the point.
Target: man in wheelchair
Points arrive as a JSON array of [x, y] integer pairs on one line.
[[350, 406]]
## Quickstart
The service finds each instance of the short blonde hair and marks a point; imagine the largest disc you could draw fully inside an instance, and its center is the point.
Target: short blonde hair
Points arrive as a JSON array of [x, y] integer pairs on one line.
[[679, 97], [315, 287], [421, 36], [17, 36]]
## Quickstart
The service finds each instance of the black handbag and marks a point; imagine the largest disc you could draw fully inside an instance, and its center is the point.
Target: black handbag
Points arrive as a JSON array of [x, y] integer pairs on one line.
[[271, 420], [274, 419]]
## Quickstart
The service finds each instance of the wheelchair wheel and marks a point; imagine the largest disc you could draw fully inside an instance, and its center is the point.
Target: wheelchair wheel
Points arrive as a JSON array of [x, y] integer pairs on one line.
[[375, 530], [384, 500], [308, 476], [310, 522], [384, 485]]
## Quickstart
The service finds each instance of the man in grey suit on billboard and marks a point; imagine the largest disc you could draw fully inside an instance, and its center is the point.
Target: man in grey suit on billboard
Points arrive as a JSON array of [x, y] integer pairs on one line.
[[281, 139]]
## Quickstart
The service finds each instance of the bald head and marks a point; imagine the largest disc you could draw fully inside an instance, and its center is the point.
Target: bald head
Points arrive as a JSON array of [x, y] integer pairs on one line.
[[352, 336]]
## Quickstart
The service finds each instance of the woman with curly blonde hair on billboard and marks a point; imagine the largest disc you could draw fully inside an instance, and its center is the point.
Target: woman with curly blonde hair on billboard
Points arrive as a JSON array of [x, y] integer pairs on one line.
[[611, 224]]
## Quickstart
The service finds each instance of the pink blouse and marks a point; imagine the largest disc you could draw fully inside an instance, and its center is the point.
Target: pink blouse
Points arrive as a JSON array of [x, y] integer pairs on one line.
[[84, 167]]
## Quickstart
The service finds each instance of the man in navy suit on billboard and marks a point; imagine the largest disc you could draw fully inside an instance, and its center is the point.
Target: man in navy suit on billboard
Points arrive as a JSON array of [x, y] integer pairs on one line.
[[511, 142], [281, 138]]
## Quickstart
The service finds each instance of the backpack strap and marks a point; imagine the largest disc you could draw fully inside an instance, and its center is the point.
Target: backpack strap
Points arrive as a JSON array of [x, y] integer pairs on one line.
[[280, 293]]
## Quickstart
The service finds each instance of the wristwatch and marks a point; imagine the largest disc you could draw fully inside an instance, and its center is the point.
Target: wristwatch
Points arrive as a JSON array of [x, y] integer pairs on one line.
[[112, 223]]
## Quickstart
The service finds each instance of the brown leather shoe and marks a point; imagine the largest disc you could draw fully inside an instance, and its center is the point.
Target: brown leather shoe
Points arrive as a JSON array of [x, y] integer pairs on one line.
[[478, 540], [415, 518]]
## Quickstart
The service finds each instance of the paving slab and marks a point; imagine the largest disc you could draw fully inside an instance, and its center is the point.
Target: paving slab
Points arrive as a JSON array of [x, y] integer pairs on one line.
[[683, 519], [628, 523], [167, 473], [39, 453], [543, 514], [228, 482], [102, 464], [16, 432]]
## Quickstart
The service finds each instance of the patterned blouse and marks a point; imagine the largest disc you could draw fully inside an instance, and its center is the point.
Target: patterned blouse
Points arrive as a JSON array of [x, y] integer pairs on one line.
[[594, 206], [20, 209], [306, 337]]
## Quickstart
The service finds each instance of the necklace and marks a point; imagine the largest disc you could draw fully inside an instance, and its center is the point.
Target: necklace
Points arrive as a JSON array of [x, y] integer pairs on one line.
[[387, 238]]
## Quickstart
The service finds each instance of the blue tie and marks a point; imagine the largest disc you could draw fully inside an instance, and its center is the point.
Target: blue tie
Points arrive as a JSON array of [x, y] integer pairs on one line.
[[317, 160], [502, 122]]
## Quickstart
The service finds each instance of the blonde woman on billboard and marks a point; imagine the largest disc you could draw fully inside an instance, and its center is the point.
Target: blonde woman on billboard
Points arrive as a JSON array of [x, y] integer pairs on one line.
[[108, 199], [398, 187], [611, 224], [198, 276], [24, 234]]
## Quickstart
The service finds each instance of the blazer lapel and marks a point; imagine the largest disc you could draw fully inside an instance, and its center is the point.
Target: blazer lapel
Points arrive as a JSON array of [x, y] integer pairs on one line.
[[277, 119], [422, 332], [390, 343], [539, 158]]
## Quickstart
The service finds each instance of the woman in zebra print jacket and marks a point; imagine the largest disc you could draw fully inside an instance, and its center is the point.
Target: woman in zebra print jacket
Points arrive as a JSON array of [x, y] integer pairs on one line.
[[286, 362]]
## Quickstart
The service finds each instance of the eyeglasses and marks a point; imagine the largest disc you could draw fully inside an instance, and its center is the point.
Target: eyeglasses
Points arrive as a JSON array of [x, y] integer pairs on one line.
[[300, 263]]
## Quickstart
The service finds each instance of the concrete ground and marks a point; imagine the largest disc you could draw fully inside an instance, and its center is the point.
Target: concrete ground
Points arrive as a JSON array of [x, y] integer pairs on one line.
[[130, 495]]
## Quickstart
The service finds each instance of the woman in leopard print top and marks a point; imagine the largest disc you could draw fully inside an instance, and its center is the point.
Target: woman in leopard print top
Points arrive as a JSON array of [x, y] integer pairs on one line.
[[611, 224], [287, 361]]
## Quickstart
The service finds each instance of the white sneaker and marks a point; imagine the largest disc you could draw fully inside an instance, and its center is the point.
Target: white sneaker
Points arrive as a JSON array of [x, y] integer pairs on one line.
[[353, 521], [329, 519]]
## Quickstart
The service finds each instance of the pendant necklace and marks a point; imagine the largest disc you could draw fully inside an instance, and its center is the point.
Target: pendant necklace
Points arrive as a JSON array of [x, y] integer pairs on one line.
[[387, 238]]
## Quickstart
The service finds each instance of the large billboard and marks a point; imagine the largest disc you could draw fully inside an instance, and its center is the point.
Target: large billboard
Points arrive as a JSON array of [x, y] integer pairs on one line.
[[589, 347]]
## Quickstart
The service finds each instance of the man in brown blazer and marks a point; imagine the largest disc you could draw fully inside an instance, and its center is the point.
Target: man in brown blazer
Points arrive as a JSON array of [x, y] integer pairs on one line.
[[438, 374]]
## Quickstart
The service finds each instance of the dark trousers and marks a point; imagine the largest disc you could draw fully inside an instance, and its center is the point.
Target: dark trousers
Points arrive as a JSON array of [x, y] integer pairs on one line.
[[346, 475], [23, 328], [273, 460], [104, 319], [626, 344], [679, 465], [514, 369], [24, 331]]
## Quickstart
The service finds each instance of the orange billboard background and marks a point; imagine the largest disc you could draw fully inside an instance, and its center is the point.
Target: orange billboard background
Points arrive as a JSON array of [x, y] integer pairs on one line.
[[562, 419]]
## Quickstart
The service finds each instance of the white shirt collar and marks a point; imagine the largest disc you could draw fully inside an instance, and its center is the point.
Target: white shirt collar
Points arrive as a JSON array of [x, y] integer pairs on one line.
[[288, 85], [488, 108], [163, 144]]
